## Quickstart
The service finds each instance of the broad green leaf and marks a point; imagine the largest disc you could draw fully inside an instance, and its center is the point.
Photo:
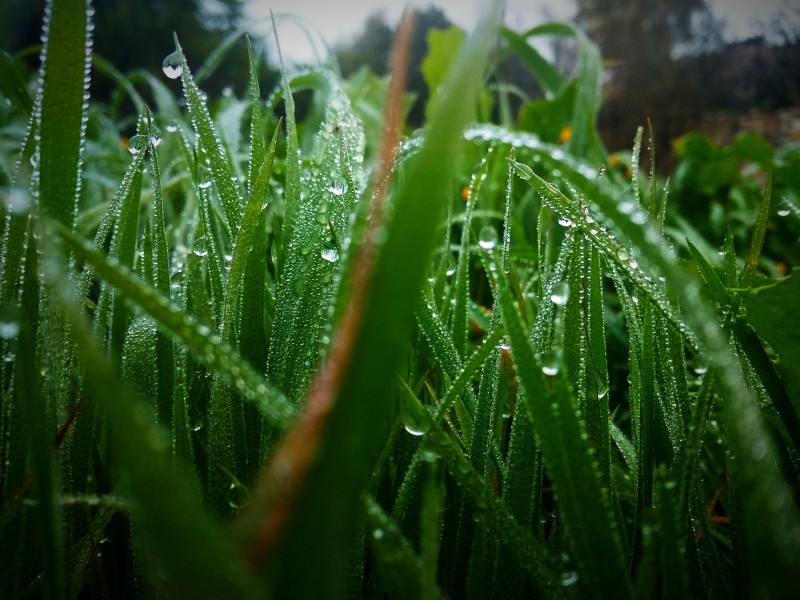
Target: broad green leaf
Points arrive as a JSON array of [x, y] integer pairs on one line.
[[770, 311]]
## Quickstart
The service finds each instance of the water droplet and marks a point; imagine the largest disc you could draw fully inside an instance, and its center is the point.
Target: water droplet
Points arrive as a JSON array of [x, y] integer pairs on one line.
[[338, 187], [413, 427], [551, 362], [378, 534], [569, 578], [329, 253], [155, 136], [205, 184], [565, 222], [173, 65], [9, 323], [560, 293], [18, 201], [236, 495], [200, 248], [784, 212], [172, 128], [137, 144], [487, 238], [699, 364]]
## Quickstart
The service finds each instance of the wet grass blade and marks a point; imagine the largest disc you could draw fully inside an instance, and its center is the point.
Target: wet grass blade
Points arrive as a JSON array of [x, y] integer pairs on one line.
[[163, 499], [344, 428], [757, 241], [206, 347], [221, 169], [65, 81], [583, 500]]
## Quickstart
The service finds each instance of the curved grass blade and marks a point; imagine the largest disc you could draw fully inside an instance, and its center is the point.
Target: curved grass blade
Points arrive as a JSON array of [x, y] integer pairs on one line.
[[530, 555], [399, 567], [205, 346]]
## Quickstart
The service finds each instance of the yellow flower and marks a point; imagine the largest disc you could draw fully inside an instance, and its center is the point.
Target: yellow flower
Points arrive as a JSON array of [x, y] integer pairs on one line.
[[565, 135]]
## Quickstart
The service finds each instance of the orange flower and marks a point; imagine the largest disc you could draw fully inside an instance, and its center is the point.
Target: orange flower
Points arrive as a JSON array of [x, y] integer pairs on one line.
[[565, 135], [465, 193]]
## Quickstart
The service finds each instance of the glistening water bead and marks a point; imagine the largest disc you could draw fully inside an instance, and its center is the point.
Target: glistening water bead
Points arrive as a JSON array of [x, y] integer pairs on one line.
[[173, 65], [560, 293], [137, 144], [487, 238]]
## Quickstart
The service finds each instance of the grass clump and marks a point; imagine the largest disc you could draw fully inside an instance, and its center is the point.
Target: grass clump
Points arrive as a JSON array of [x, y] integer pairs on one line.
[[307, 360]]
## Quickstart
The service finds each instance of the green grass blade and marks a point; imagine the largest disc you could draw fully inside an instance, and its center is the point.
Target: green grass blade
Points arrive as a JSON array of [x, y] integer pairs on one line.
[[206, 347], [400, 569], [319, 223], [529, 554], [244, 240], [221, 169], [258, 148], [162, 498], [35, 409], [65, 81], [357, 427], [165, 360], [547, 75], [458, 324], [757, 241], [214, 59], [584, 501]]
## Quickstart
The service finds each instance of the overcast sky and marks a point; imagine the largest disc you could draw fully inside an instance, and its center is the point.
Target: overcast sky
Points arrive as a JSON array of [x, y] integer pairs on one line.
[[339, 21]]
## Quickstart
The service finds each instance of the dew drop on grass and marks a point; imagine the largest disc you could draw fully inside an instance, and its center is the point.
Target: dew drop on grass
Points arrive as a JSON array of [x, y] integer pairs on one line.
[[560, 293], [9, 325], [487, 238], [338, 187], [205, 184], [155, 136], [783, 212], [137, 144], [699, 364], [235, 496], [173, 65], [551, 362], [329, 253], [565, 222], [172, 128], [18, 201], [200, 248], [378, 534]]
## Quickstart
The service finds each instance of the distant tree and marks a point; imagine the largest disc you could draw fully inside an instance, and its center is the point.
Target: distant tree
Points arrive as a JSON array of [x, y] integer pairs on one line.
[[134, 34], [642, 43], [373, 49], [370, 49]]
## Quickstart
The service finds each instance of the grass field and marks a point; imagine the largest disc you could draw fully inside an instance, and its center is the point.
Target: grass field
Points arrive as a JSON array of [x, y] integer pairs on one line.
[[251, 355]]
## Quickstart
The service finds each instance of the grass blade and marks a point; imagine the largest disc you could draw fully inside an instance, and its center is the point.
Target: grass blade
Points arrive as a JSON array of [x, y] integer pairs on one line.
[[584, 501], [206, 347]]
